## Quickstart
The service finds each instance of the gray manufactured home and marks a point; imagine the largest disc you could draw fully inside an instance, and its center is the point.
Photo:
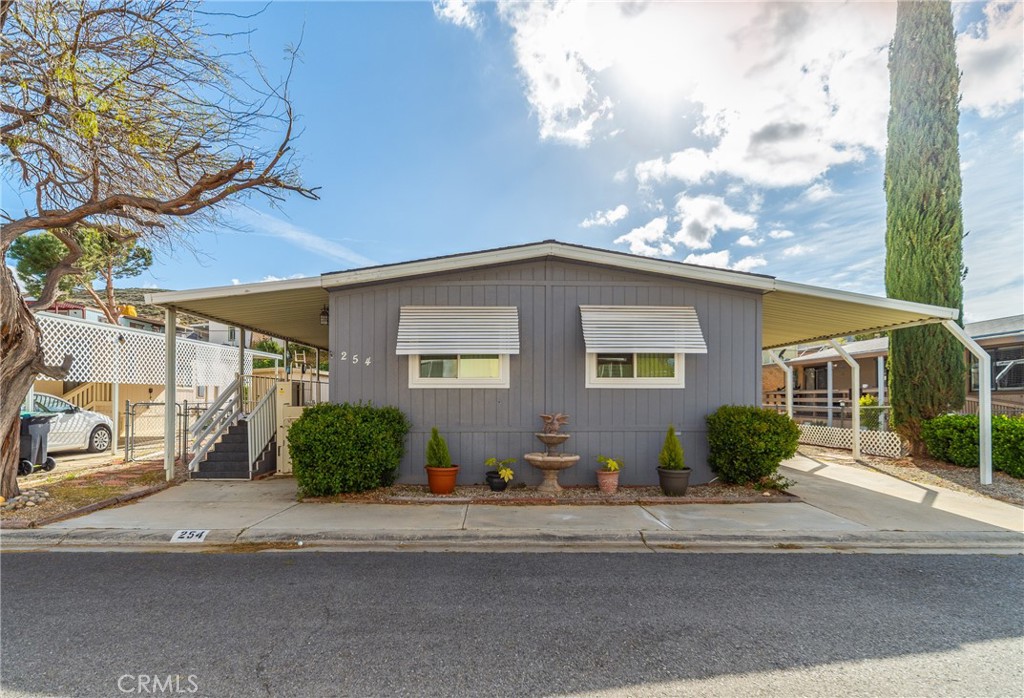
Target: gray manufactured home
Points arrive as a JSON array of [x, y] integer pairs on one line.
[[480, 344], [479, 352]]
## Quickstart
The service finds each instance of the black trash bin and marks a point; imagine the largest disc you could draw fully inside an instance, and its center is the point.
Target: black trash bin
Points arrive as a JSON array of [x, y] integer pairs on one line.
[[34, 432]]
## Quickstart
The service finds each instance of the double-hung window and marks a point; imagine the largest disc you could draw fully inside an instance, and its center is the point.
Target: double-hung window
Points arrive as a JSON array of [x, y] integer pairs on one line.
[[639, 346], [458, 346]]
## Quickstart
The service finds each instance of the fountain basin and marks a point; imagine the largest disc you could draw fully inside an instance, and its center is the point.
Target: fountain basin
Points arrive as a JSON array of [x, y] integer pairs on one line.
[[550, 466], [555, 439]]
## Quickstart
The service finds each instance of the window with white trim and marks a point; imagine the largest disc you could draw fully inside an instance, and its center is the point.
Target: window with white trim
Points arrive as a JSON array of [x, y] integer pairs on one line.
[[458, 346], [639, 346], [634, 370], [458, 371]]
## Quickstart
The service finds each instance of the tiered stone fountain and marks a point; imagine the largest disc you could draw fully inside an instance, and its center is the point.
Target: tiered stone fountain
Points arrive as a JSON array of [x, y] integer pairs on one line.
[[550, 462]]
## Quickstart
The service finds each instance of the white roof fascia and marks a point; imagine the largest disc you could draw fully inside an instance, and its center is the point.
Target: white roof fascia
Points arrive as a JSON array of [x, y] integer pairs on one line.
[[545, 249], [172, 297], [940, 312]]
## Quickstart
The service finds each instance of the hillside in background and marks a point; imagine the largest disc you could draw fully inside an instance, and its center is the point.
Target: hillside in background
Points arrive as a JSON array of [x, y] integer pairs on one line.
[[136, 297]]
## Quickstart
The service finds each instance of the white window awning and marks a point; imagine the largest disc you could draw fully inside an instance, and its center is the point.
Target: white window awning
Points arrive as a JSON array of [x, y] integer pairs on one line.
[[642, 328], [458, 330]]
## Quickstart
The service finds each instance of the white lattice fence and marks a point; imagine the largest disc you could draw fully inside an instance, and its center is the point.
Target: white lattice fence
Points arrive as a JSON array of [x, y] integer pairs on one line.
[[879, 443], [106, 353]]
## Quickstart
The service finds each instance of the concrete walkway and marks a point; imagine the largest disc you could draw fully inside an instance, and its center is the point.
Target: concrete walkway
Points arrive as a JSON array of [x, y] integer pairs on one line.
[[844, 508]]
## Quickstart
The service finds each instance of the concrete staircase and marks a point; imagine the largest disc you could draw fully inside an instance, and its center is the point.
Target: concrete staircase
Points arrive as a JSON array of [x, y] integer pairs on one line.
[[229, 457]]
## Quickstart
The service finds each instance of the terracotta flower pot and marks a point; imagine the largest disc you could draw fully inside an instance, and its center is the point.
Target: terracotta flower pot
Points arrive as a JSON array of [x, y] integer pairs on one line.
[[442, 480], [608, 481], [674, 482]]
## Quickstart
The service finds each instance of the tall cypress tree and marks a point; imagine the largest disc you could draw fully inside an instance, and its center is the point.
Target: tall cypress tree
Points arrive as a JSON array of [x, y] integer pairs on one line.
[[924, 223]]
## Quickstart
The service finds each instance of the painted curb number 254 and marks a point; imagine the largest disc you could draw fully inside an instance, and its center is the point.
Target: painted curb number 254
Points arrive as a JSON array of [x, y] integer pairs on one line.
[[355, 358]]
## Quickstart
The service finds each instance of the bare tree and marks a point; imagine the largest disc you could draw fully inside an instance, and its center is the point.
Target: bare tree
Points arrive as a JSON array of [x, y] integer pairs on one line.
[[121, 114]]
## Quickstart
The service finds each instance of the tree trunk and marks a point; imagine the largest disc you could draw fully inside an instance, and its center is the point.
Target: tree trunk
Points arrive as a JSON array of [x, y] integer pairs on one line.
[[21, 360]]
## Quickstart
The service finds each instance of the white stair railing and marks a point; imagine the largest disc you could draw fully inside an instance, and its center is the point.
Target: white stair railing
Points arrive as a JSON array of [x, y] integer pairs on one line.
[[262, 426], [212, 424]]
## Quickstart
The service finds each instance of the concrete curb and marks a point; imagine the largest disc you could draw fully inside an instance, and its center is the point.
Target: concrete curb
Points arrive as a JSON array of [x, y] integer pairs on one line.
[[134, 540]]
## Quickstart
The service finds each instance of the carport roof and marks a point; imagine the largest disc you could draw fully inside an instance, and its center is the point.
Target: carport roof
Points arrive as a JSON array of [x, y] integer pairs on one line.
[[792, 313]]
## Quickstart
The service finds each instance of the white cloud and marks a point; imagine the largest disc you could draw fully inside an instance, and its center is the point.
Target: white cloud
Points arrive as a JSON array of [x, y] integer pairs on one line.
[[701, 217], [621, 176], [559, 64], [609, 217], [275, 227], [990, 54], [648, 240], [750, 263], [819, 191], [747, 241], [783, 91], [796, 251], [268, 277], [780, 234], [461, 13], [709, 259]]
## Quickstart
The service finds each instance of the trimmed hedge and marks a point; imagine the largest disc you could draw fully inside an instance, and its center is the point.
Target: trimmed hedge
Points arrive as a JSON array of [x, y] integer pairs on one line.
[[746, 444], [346, 448], [954, 438]]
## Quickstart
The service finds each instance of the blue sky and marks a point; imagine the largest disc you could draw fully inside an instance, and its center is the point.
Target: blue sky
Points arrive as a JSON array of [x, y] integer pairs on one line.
[[737, 135]]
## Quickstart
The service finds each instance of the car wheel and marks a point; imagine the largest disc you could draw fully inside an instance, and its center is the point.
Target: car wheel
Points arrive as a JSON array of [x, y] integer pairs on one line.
[[99, 439]]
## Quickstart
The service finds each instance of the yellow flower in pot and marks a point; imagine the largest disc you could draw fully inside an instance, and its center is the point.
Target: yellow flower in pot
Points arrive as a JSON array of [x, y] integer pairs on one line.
[[608, 474], [500, 473]]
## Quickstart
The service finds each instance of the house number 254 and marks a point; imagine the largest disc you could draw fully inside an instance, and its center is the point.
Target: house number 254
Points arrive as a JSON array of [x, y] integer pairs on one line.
[[355, 358]]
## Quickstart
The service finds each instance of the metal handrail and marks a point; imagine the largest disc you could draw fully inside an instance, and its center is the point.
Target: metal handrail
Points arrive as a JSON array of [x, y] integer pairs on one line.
[[208, 443], [262, 426], [216, 406]]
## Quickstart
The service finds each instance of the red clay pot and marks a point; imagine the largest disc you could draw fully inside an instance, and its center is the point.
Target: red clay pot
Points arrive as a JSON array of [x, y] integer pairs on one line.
[[608, 481], [441, 480]]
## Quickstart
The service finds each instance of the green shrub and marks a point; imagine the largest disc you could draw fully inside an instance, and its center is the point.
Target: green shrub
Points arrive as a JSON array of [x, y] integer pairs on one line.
[[869, 417], [437, 451], [671, 456], [954, 438], [346, 448], [746, 444]]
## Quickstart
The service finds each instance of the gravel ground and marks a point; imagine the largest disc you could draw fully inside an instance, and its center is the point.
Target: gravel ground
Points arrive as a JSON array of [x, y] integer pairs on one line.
[[521, 494], [70, 492], [925, 471]]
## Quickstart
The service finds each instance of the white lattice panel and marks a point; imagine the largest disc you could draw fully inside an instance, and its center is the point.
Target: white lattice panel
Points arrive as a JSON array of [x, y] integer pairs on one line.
[[879, 443], [106, 353]]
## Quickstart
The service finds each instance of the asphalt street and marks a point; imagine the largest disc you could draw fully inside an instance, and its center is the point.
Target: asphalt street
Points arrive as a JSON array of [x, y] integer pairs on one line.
[[368, 624]]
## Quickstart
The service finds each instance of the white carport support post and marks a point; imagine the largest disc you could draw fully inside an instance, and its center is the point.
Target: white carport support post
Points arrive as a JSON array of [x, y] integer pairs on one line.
[[115, 402], [788, 370], [854, 394], [241, 370], [170, 398], [881, 394], [984, 399]]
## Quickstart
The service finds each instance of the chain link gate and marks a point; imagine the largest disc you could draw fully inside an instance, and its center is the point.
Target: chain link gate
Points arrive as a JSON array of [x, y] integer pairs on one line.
[[144, 428]]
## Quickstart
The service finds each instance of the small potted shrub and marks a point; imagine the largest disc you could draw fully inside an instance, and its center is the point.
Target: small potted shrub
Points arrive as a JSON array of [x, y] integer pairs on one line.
[[608, 474], [673, 474], [441, 473], [500, 473]]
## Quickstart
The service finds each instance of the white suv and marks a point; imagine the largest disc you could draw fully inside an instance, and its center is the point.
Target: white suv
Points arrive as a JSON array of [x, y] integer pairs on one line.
[[73, 428]]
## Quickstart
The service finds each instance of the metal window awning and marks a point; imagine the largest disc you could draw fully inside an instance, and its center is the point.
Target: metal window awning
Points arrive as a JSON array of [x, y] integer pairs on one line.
[[642, 328], [458, 330]]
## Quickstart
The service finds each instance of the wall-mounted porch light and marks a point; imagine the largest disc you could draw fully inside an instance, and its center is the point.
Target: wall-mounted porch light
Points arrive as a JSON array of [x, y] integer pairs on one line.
[[325, 316]]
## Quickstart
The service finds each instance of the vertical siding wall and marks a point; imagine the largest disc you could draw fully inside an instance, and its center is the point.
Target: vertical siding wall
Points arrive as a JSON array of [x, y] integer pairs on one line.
[[548, 374]]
